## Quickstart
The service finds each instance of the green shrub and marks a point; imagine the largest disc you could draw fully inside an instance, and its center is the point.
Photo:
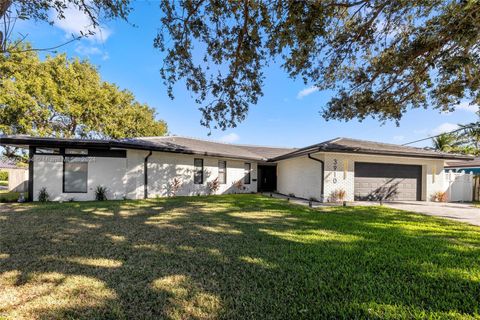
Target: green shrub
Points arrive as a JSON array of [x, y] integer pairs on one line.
[[43, 195], [101, 193], [3, 175]]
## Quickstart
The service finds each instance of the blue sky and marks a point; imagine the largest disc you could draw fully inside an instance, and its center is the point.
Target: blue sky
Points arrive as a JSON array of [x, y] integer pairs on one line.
[[287, 114]]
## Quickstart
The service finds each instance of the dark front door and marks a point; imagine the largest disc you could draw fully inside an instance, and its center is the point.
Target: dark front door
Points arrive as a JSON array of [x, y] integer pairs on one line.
[[267, 178], [381, 181]]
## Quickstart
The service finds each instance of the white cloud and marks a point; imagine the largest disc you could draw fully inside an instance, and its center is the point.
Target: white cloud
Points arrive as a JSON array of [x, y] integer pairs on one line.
[[444, 127], [91, 51], [75, 22], [398, 138], [465, 106], [306, 92], [230, 138]]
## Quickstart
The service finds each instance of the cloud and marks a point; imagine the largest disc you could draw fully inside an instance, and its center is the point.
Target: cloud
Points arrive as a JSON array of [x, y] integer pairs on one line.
[[77, 22], [465, 106], [89, 51], [230, 138], [398, 138], [306, 92], [444, 127]]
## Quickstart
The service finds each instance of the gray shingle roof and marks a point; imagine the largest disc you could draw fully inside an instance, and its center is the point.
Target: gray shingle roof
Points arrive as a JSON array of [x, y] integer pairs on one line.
[[184, 144], [347, 145], [464, 164], [247, 152]]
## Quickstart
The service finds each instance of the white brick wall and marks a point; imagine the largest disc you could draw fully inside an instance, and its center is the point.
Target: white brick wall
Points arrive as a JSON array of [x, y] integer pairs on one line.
[[432, 172], [302, 176]]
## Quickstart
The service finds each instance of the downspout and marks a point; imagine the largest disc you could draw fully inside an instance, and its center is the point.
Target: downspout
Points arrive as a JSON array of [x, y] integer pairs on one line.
[[322, 188], [145, 175]]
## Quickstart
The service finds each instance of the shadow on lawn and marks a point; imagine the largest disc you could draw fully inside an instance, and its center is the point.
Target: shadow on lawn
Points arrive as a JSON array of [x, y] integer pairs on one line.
[[233, 257]]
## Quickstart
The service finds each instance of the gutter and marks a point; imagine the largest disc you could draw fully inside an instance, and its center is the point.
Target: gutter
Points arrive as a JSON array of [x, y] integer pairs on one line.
[[145, 175], [322, 188]]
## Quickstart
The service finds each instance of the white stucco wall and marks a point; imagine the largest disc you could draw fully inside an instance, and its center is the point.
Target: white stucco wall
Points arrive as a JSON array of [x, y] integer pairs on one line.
[[107, 172], [300, 176], [163, 167]]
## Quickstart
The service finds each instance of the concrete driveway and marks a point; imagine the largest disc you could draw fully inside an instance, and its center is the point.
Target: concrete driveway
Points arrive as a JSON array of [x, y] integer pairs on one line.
[[456, 211]]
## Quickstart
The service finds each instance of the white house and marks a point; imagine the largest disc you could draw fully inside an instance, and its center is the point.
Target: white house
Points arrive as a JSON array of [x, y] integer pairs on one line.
[[161, 166]]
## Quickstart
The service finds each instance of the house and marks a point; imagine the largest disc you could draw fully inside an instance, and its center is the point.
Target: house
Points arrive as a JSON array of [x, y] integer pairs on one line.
[[139, 168], [17, 176], [467, 166]]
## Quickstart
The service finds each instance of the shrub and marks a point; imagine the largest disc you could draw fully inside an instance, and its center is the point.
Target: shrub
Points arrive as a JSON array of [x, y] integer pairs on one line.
[[175, 185], [43, 195], [100, 193], [440, 196], [337, 195], [239, 185], [3, 175], [213, 186]]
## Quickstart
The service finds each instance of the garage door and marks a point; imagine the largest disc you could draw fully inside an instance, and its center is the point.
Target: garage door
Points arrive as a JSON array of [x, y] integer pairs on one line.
[[375, 181]]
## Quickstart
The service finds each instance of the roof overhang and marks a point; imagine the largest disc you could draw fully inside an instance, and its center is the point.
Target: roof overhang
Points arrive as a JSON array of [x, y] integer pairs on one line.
[[304, 152], [27, 141]]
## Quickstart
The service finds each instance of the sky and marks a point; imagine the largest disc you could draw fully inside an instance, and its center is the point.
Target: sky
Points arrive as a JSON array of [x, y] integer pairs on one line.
[[287, 115]]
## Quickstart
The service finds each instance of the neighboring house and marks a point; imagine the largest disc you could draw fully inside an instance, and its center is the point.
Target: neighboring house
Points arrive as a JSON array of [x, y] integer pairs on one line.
[[467, 166], [148, 167], [17, 176]]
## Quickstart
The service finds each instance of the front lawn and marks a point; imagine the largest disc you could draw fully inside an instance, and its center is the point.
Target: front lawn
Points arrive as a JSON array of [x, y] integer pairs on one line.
[[236, 257]]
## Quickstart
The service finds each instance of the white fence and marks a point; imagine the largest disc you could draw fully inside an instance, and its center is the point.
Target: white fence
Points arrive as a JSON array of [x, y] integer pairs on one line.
[[459, 186]]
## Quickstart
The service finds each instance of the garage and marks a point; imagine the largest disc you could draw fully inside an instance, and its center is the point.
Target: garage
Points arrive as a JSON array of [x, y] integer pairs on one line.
[[382, 181]]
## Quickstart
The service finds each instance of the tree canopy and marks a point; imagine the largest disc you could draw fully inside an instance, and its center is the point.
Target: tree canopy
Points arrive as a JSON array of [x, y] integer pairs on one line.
[[380, 57], [65, 97]]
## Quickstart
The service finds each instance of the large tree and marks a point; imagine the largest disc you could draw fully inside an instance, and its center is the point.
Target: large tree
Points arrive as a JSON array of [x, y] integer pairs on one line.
[[65, 97], [380, 57]]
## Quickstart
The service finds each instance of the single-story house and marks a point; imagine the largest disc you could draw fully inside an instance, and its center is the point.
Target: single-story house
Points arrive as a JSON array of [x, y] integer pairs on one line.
[[139, 168], [472, 166]]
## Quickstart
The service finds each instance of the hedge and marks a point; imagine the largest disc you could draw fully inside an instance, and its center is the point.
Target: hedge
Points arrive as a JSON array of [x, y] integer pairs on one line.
[[3, 175]]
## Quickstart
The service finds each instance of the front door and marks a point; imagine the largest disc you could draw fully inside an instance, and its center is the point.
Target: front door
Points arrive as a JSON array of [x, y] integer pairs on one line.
[[267, 178]]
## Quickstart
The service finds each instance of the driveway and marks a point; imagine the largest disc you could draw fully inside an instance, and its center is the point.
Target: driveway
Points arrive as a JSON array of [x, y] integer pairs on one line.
[[456, 211]]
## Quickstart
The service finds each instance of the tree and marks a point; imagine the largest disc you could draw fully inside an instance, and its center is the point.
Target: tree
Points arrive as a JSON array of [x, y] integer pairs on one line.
[[66, 98], [446, 142], [40, 10], [381, 57]]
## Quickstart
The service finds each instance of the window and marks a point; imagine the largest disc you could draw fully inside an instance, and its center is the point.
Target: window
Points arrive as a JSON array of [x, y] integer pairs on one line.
[[75, 175], [246, 178], [76, 151], [198, 171], [47, 150], [222, 171]]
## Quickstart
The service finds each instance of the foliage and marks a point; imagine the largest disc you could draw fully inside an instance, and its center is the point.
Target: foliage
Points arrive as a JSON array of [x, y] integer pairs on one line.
[[43, 195], [239, 185], [382, 57], [446, 142], [101, 193], [466, 140], [9, 196], [175, 185], [232, 257], [47, 10], [337, 195], [3, 175], [213, 185], [66, 98], [440, 196]]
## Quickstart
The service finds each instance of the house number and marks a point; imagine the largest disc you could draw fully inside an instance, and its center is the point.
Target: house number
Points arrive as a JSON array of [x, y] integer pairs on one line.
[[335, 167]]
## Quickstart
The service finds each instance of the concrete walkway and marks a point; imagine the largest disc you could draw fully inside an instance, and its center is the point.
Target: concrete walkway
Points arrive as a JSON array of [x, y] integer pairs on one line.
[[463, 212]]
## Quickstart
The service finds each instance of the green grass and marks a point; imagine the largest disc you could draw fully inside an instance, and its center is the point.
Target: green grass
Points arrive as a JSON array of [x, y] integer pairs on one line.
[[4, 183], [7, 196], [233, 257]]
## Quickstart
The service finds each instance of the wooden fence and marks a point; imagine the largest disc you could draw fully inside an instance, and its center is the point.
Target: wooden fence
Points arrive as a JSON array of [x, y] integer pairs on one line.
[[476, 188]]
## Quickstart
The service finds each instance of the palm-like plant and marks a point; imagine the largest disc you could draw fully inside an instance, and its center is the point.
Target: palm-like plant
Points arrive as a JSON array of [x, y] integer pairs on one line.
[[446, 142]]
